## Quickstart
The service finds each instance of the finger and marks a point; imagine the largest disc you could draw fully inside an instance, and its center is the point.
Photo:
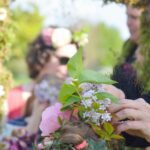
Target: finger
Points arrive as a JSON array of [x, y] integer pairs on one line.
[[123, 104], [129, 125], [131, 114]]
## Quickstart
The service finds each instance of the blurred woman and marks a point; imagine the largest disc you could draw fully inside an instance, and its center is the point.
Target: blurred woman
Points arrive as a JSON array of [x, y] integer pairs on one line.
[[48, 54]]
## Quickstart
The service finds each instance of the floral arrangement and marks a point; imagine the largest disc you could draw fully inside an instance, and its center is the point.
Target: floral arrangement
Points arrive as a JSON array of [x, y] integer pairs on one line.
[[81, 119], [47, 89]]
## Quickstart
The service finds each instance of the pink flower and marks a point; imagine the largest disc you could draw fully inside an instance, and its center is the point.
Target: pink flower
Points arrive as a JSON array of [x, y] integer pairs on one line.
[[49, 123], [82, 145], [47, 34]]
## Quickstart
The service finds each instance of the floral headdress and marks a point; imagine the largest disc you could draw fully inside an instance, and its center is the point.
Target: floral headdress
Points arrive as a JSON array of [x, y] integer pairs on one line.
[[58, 37]]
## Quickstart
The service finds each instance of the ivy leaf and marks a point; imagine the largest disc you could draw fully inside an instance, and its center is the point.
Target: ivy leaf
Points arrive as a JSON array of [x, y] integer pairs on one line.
[[108, 128], [75, 64], [69, 101], [103, 95], [94, 77], [66, 91]]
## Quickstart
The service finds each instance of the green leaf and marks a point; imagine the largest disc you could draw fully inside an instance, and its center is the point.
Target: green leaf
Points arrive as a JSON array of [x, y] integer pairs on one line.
[[75, 64], [103, 95], [116, 136], [66, 91], [96, 145], [95, 105], [94, 77], [69, 101], [108, 128], [60, 120], [101, 133]]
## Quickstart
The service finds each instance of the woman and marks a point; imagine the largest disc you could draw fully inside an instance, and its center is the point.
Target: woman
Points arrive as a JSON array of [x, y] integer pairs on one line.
[[47, 59], [131, 68], [48, 54]]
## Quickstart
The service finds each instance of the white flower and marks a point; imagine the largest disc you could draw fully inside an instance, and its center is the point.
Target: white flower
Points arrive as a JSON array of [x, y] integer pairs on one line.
[[2, 92], [85, 86], [104, 103], [106, 117], [61, 37], [3, 14], [100, 88], [102, 107], [84, 39], [69, 50], [87, 103], [107, 102], [88, 94]]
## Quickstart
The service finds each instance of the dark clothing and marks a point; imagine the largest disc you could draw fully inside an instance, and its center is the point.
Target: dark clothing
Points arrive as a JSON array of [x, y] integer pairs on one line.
[[126, 77]]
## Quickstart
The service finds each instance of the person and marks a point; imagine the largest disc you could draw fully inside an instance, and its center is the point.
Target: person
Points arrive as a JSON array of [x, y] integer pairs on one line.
[[47, 64], [126, 72], [137, 115], [42, 58]]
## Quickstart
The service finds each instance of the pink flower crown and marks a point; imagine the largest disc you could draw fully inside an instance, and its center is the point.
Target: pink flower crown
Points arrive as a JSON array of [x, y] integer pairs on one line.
[[62, 37]]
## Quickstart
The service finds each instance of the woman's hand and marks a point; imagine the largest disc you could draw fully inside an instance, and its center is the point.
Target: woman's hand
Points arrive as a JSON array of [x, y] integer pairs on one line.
[[137, 114], [35, 118], [114, 91]]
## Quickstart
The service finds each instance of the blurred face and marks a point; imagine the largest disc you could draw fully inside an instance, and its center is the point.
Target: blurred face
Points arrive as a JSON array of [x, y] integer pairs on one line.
[[57, 63], [133, 22]]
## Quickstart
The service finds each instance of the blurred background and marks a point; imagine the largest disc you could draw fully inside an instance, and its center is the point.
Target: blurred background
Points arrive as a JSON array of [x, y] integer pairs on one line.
[[107, 30]]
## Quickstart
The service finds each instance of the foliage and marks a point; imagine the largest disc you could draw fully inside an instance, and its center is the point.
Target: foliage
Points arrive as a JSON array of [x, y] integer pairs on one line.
[[6, 35], [27, 25], [105, 48], [144, 69]]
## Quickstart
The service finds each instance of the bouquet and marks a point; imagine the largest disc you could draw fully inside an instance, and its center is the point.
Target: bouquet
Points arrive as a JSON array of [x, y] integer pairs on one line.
[[80, 121]]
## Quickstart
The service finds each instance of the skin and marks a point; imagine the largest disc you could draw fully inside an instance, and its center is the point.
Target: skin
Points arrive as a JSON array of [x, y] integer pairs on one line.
[[133, 23], [54, 67], [137, 114]]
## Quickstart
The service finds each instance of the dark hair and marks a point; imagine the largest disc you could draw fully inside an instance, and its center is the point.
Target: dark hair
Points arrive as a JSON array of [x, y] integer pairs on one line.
[[38, 55]]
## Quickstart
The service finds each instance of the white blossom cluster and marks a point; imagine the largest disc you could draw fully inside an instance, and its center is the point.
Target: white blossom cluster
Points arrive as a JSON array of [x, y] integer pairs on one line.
[[3, 14], [97, 115], [44, 91], [2, 92]]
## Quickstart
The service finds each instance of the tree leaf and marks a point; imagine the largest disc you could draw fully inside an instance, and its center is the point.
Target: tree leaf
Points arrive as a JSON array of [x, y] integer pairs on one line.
[[66, 91], [108, 128], [116, 136], [75, 64], [94, 77], [103, 95], [69, 101]]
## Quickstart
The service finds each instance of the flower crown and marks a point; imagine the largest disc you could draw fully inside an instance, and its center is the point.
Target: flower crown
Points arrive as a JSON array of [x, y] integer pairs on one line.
[[60, 37]]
